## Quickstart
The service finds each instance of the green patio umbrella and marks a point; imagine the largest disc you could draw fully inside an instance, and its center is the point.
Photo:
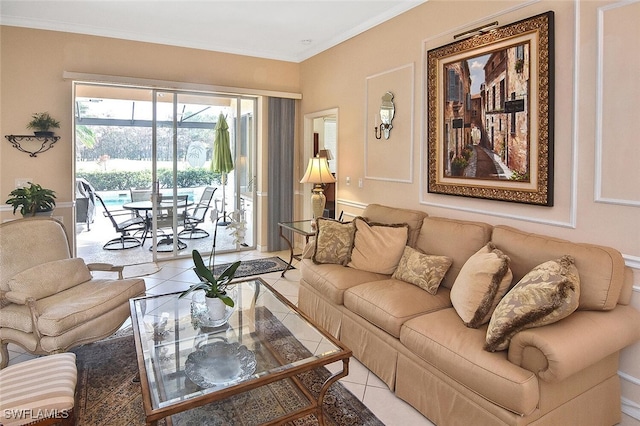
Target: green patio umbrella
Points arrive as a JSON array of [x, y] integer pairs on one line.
[[222, 161]]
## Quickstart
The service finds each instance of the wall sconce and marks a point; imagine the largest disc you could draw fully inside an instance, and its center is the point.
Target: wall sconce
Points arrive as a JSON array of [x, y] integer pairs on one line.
[[387, 111]]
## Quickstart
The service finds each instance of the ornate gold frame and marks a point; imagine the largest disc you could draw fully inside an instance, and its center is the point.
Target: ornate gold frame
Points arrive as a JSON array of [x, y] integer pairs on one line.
[[510, 119]]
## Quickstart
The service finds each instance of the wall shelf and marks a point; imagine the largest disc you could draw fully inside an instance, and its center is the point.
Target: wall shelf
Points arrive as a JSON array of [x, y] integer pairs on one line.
[[45, 143]]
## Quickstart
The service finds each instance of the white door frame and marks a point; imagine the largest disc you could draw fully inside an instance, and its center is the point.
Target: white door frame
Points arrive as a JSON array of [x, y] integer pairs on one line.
[[307, 152]]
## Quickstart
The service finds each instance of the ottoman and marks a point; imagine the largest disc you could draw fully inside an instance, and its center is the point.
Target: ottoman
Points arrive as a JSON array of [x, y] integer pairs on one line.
[[39, 391]]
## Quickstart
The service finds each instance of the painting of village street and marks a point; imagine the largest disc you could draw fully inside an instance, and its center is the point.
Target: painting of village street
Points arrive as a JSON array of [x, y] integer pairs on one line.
[[485, 116], [490, 114]]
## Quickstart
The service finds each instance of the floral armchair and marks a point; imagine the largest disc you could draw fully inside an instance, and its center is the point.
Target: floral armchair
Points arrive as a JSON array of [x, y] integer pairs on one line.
[[49, 301]]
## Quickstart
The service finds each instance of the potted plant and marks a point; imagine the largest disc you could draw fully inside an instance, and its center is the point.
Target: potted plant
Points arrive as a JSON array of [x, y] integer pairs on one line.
[[458, 165], [41, 122], [32, 199], [215, 288]]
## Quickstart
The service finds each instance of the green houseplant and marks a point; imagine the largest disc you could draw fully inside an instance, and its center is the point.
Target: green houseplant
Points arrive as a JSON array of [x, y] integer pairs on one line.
[[41, 122], [215, 288], [32, 199]]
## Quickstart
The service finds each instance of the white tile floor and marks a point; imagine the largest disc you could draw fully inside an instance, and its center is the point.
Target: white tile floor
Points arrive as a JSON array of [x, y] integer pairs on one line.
[[177, 275]]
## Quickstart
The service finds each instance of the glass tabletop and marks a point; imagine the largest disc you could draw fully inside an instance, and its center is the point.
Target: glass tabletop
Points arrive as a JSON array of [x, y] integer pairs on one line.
[[185, 357], [304, 227]]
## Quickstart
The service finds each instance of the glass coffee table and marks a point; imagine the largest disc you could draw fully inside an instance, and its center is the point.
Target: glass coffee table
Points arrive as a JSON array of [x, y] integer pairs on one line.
[[188, 363]]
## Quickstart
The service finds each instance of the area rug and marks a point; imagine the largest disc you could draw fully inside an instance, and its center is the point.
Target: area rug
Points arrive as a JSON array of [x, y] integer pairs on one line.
[[108, 392], [252, 267]]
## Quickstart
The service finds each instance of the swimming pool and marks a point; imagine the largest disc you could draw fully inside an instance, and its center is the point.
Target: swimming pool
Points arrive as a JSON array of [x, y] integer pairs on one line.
[[118, 198]]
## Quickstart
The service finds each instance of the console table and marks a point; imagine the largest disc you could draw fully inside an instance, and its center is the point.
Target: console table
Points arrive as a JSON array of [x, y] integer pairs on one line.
[[302, 227]]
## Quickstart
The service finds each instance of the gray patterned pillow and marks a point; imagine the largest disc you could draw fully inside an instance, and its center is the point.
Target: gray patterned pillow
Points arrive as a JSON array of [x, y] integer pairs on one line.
[[334, 241], [547, 294], [425, 271]]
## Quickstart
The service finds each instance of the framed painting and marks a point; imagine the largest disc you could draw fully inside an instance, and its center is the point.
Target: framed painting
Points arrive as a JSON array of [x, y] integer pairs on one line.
[[490, 114]]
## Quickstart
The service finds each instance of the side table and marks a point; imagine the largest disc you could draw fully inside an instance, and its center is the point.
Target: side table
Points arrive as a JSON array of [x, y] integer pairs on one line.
[[302, 227]]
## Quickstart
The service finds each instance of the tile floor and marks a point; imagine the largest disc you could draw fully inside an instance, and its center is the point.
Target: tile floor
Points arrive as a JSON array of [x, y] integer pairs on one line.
[[177, 275]]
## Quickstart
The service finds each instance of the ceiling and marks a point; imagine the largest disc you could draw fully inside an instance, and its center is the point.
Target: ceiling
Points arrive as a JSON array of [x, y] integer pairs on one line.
[[292, 30]]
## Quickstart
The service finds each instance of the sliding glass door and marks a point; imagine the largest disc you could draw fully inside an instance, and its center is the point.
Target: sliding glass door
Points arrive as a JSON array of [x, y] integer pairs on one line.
[[151, 154]]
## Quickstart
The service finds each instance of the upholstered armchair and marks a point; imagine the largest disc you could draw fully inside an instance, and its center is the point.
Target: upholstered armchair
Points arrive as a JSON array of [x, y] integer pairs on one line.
[[49, 301]]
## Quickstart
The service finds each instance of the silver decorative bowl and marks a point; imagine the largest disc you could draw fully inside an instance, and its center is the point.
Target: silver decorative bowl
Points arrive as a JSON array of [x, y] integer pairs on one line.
[[220, 364]]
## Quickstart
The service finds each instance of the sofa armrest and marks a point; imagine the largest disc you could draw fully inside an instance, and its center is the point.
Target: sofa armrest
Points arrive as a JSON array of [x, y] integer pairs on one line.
[[106, 267], [556, 351], [17, 297]]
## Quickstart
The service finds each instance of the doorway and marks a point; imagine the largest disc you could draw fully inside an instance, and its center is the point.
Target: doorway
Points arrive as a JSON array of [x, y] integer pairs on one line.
[[159, 143], [321, 138]]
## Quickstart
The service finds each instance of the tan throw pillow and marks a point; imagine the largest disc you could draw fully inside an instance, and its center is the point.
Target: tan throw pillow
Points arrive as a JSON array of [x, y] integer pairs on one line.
[[49, 278], [547, 294], [425, 271], [334, 241], [377, 247], [483, 280]]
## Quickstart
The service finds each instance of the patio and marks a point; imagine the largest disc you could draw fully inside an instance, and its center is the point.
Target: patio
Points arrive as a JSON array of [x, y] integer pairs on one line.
[[89, 242]]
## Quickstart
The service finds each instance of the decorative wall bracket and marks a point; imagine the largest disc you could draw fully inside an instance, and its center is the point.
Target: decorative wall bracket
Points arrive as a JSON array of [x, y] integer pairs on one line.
[[45, 142]]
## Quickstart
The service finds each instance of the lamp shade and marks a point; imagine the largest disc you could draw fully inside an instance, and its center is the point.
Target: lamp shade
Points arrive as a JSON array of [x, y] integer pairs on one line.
[[326, 153], [318, 171]]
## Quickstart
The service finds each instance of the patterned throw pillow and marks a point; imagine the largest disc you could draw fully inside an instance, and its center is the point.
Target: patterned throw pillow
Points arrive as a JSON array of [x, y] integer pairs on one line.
[[334, 241], [483, 280], [547, 294], [378, 247], [425, 271]]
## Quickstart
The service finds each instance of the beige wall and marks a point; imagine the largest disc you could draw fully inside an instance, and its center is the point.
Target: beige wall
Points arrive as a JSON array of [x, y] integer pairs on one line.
[[594, 207], [32, 63], [338, 78]]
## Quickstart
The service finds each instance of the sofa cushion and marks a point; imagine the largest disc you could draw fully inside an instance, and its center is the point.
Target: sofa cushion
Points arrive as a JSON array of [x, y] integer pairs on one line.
[[602, 269], [377, 247], [547, 294], [332, 280], [442, 340], [456, 239], [383, 214], [49, 278], [74, 306], [389, 303], [334, 241], [79, 304], [480, 285], [425, 271], [30, 236]]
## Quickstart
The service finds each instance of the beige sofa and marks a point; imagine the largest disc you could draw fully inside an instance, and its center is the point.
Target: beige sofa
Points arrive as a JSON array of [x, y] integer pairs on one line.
[[565, 373]]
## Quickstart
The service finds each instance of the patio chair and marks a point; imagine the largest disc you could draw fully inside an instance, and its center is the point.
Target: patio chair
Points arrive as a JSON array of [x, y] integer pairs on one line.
[[140, 194], [196, 216], [49, 301], [133, 224], [165, 220]]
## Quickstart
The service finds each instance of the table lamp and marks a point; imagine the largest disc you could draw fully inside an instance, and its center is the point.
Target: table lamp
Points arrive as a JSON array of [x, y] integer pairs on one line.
[[318, 173]]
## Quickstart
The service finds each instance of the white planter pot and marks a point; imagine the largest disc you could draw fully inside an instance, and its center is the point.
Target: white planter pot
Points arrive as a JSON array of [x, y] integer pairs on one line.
[[217, 308]]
